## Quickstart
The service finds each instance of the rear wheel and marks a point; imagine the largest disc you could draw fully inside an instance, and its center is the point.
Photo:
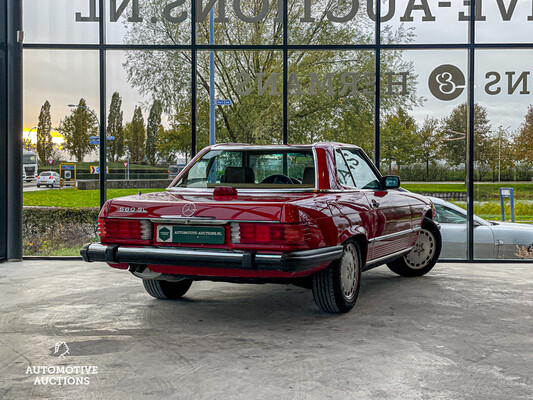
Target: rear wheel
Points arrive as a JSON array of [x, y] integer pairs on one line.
[[166, 290], [422, 258], [335, 289]]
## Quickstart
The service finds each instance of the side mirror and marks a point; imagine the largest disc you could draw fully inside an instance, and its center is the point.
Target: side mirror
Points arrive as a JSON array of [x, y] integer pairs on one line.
[[391, 182]]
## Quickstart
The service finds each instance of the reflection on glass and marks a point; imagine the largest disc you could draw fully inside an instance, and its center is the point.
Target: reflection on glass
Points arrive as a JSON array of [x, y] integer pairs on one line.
[[249, 87], [331, 22], [504, 147], [152, 101], [424, 22], [241, 22], [56, 139], [504, 21], [424, 141], [60, 21], [149, 22]]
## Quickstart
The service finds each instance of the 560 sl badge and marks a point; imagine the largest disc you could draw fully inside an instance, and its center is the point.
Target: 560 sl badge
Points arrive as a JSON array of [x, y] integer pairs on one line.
[[132, 209]]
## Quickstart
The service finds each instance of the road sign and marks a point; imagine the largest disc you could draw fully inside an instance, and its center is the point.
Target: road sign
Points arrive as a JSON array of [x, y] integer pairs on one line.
[[94, 142], [96, 169], [110, 138], [223, 102], [50, 161], [126, 164], [94, 137]]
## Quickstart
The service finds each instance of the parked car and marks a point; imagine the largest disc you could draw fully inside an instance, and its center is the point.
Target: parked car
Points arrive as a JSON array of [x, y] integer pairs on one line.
[[48, 178], [312, 215], [492, 239]]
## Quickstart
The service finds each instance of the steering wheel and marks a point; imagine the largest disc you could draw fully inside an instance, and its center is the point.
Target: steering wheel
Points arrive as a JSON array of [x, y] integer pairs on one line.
[[277, 178]]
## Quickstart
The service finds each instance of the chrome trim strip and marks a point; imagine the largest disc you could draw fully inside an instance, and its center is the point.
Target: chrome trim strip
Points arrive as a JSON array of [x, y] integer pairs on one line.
[[393, 235], [261, 190], [389, 256], [207, 221], [185, 218]]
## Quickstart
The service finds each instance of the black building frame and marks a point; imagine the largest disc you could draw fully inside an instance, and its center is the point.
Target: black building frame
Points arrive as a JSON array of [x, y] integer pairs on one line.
[[471, 46]]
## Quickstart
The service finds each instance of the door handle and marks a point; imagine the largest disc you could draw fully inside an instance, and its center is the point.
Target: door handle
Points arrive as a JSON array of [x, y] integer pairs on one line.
[[375, 204]]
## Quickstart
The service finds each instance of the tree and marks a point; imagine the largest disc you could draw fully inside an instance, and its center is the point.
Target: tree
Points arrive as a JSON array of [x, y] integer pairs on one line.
[[45, 147], [76, 129], [524, 140], [115, 129], [154, 122], [454, 129], [319, 108], [429, 142], [399, 140], [27, 144], [136, 136]]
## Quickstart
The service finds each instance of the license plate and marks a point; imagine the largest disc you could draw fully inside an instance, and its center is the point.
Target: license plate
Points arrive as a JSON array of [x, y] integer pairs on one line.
[[191, 234]]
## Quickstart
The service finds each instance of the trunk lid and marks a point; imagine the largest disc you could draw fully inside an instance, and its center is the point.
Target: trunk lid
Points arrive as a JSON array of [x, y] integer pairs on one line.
[[196, 205]]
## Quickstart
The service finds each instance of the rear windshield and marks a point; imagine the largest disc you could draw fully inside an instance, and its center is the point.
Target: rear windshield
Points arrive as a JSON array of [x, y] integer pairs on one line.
[[46, 173], [252, 169]]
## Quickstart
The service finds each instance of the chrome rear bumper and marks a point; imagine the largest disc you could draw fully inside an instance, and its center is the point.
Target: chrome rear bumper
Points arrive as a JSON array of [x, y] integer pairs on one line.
[[287, 262]]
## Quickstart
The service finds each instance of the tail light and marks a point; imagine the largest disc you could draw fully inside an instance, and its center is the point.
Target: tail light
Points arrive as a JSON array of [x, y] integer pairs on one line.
[[136, 229], [295, 235], [50, 177]]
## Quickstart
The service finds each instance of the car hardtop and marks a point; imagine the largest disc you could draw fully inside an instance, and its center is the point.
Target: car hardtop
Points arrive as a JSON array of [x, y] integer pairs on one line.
[[328, 146], [252, 147]]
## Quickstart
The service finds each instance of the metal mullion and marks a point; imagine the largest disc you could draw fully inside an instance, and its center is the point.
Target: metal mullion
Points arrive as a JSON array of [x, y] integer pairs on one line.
[[285, 72], [377, 97], [295, 47], [470, 134], [194, 67], [103, 111]]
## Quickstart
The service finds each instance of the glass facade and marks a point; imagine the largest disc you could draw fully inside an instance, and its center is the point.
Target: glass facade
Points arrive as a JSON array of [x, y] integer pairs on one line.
[[435, 91]]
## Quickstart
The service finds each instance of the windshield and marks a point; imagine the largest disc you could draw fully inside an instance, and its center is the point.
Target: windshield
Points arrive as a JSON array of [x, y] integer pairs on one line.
[[29, 159], [253, 169]]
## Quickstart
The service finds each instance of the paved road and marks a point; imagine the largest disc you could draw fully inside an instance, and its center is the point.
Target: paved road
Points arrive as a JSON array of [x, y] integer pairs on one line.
[[32, 187], [465, 331]]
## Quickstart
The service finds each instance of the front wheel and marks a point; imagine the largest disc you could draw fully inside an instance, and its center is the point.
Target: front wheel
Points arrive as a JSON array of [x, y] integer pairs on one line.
[[335, 289], [425, 253], [167, 290]]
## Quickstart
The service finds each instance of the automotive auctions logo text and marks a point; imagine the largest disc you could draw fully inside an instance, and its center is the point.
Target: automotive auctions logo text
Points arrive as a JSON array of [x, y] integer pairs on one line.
[[62, 375]]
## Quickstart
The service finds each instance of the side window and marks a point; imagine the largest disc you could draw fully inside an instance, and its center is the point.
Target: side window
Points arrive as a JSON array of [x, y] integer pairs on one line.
[[343, 172], [448, 216], [364, 176]]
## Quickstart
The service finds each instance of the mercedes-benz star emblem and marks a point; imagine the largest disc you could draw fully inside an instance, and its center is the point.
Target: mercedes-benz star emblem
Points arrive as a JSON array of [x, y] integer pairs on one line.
[[188, 209]]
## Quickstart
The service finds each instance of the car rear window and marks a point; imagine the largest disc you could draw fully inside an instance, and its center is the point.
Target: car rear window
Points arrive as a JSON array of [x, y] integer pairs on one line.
[[252, 169], [46, 173]]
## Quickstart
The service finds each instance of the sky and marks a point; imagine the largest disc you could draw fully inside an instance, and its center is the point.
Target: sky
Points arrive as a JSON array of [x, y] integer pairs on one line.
[[64, 76]]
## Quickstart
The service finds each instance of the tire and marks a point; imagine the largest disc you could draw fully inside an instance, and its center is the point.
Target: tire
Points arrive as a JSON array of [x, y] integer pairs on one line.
[[422, 258], [336, 288], [38, 186], [166, 290]]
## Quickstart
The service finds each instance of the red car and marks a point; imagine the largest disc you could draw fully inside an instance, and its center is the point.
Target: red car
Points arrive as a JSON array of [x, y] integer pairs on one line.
[[312, 215]]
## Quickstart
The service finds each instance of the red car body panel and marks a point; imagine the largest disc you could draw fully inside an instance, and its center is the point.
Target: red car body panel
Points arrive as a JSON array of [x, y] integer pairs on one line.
[[384, 221]]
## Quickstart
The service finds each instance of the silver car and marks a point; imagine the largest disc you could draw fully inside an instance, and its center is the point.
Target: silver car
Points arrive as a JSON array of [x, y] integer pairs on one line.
[[492, 239], [48, 178]]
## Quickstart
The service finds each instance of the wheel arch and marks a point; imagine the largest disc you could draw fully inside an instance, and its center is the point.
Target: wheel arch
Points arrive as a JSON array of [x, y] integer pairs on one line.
[[362, 241]]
